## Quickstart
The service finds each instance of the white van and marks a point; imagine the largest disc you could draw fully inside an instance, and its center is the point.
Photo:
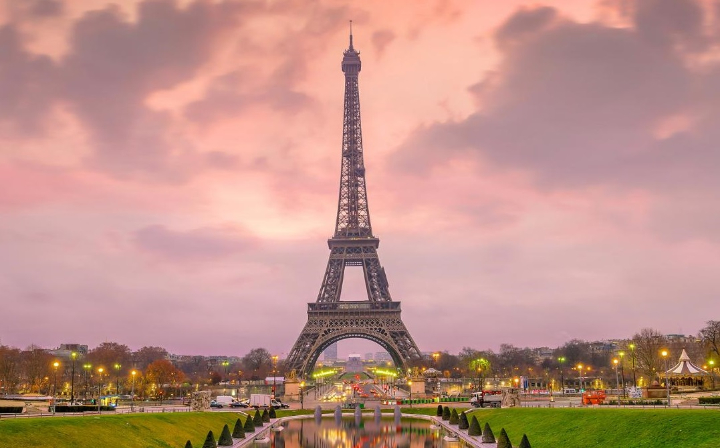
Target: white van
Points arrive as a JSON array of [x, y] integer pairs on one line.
[[224, 399]]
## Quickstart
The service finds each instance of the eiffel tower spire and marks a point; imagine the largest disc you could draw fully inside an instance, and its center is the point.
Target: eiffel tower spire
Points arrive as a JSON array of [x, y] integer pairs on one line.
[[352, 244]]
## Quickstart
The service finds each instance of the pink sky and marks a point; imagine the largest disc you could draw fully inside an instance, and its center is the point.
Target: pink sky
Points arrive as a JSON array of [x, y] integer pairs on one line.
[[537, 171]]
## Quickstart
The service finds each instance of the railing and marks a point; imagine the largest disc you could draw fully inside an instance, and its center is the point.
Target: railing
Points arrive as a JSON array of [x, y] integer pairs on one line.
[[354, 306]]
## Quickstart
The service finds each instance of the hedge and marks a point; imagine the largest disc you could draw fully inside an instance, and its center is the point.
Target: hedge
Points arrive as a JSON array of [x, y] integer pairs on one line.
[[709, 400]]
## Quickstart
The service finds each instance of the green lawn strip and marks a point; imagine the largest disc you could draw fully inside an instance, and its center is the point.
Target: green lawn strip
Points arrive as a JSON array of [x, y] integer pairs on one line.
[[165, 430], [629, 428]]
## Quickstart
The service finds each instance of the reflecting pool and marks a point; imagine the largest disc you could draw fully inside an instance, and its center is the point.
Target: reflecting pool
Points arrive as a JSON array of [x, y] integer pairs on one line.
[[365, 433]]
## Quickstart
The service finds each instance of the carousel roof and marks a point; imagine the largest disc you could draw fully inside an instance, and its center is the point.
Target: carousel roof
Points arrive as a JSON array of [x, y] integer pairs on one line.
[[685, 367]]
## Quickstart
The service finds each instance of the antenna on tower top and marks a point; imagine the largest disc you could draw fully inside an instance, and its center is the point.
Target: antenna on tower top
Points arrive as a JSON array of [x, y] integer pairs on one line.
[[351, 46]]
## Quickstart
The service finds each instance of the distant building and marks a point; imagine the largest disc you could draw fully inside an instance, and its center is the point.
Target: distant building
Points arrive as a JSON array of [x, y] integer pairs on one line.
[[382, 356], [330, 353], [65, 351], [369, 356], [354, 363]]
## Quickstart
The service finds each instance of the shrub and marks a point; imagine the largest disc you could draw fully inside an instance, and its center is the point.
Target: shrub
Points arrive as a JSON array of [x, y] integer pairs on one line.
[[474, 429], [446, 413], [249, 425], [257, 419], [439, 411], [709, 400], [238, 432], [464, 423], [188, 444], [265, 416], [503, 440], [525, 443], [225, 437], [272, 413], [209, 441], [487, 435], [13, 409], [454, 419]]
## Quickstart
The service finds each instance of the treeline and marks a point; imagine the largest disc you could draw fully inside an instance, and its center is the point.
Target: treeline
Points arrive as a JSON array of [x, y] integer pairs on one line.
[[108, 368]]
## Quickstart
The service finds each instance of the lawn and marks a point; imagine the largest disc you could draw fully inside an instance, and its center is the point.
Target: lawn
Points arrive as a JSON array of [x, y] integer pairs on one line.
[[128, 431], [569, 428], [606, 427]]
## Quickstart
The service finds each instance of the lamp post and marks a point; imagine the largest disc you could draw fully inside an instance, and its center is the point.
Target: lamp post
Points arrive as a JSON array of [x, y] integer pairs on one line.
[[561, 361], [665, 354], [622, 371], [55, 365], [410, 386], [117, 379], [86, 368], [632, 356], [100, 372], [225, 364], [73, 355], [274, 372], [580, 378], [132, 392], [712, 372], [617, 379], [302, 385]]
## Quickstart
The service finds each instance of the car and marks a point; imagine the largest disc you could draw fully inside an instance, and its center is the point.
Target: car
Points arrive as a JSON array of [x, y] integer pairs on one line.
[[277, 404], [215, 404], [239, 404]]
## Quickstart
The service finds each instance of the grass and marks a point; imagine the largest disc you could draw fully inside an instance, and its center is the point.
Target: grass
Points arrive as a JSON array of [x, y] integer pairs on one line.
[[162, 430], [628, 428], [567, 427]]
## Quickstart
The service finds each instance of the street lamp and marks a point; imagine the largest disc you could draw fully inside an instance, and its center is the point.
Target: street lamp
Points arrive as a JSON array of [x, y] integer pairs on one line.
[[410, 386], [55, 364], [87, 368], [622, 371], [580, 377], [225, 364], [100, 372], [632, 351], [117, 379], [617, 379], [274, 371], [302, 385], [712, 372], [561, 361], [73, 355], [132, 392], [665, 354]]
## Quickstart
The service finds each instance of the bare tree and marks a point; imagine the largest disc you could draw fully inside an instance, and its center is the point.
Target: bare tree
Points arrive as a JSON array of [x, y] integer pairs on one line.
[[258, 361], [648, 344], [9, 369], [710, 337]]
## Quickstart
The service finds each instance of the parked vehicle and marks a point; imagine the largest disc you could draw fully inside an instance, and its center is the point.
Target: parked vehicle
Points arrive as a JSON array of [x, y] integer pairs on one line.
[[224, 399], [215, 404], [277, 404], [491, 398], [593, 397], [260, 401], [239, 404]]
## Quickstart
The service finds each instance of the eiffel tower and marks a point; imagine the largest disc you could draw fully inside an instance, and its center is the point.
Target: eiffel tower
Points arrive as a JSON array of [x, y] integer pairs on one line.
[[353, 244]]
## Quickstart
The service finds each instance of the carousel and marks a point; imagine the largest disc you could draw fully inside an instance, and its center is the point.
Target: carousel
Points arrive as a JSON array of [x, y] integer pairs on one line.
[[685, 375]]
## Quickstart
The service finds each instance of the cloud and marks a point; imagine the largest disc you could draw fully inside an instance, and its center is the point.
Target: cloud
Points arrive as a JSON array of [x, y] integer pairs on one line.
[[381, 39], [193, 245], [27, 85]]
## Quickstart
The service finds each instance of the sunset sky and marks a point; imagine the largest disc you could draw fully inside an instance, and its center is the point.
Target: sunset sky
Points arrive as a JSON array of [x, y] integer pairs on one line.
[[537, 171]]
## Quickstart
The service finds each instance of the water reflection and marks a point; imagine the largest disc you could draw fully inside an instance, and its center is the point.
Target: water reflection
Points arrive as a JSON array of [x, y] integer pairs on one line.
[[365, 433]]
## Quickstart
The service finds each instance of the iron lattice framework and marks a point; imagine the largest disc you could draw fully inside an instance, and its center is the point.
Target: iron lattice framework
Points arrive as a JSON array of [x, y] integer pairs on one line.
[[353, 244]]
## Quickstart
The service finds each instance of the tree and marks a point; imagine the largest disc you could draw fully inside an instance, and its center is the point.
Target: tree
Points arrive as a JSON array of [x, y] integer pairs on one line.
[[108, 354], [487, 434], [257, 418], [503, 440], [209, 441], [648, 344], [710, 337], [163, 373], [238, 432], [474, 429], [464, 423], [272, 413], [265, 416], [9, 368], [36, 363], [446, 413], [225, 437], [147, 355], [258, 361], [525, 443], [188, 444], [439, 411], [249, 425], [454, 418]]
